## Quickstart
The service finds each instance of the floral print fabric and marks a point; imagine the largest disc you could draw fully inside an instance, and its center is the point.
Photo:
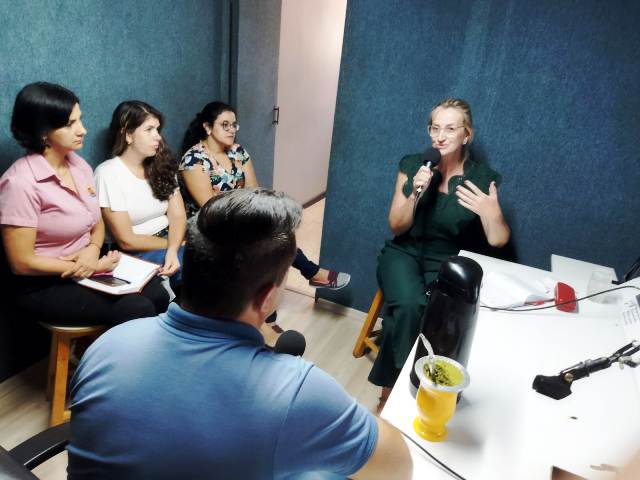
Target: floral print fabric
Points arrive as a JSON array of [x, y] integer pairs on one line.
[[221, 179]]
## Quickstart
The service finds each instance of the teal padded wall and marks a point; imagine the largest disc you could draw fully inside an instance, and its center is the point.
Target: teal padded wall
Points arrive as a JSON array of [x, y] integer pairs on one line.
[[171, 54], [167, 53], [553, 89]]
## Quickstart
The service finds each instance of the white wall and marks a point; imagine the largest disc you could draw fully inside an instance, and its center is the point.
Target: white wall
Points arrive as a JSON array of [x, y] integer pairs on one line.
[[311, 35]]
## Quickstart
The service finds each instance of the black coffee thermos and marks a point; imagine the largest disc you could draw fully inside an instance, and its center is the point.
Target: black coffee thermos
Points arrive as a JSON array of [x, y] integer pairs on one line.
[[449, 320]]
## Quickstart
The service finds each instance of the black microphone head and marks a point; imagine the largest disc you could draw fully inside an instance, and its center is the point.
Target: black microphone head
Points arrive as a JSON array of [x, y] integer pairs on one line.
[[291, 342], [555, 387], [431, 155]]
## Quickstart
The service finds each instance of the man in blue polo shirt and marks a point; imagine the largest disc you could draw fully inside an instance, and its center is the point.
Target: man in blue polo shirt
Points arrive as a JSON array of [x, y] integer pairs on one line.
[[194, 393]]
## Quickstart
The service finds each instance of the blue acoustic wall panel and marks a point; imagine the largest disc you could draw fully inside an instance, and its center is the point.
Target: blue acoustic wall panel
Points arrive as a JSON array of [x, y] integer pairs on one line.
[[164, 52], [167, 53], [553, 89]]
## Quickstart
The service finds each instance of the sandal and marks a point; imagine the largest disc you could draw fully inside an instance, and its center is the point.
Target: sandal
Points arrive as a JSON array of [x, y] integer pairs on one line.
[[337, 280]]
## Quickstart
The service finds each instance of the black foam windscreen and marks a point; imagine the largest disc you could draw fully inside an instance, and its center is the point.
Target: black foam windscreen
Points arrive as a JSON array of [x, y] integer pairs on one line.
[[554, 387], [290, 342], [431, 156]]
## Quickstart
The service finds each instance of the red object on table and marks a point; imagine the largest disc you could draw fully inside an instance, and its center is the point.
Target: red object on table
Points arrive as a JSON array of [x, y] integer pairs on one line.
[[565, 293]]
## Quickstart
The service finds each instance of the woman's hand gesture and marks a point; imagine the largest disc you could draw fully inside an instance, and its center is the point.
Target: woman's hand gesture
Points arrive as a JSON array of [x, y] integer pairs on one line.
[[474, 199], [488, 209]]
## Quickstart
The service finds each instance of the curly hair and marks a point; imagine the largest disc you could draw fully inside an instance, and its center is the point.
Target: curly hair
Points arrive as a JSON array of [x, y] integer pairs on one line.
[[161, 169]]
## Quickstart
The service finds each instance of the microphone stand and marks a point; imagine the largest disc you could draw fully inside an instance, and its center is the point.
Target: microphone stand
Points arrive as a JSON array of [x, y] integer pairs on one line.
[[559, 386]]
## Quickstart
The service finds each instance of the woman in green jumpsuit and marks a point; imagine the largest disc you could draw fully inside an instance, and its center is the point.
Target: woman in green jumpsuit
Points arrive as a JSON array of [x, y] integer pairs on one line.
[[458, 194]]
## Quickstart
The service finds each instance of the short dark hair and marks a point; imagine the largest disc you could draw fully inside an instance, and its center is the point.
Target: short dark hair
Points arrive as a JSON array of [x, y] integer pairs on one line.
[[196, 131], [40, 108], [241, 242]]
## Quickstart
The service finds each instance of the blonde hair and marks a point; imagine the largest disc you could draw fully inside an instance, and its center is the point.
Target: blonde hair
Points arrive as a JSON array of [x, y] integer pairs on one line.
[[467, 121]]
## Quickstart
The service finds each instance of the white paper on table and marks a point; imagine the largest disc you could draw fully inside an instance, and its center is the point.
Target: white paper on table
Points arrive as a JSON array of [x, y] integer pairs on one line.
[[501, 290]]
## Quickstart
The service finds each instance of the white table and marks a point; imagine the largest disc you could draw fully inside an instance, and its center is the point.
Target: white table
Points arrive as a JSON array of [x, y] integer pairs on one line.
[[502, 428]]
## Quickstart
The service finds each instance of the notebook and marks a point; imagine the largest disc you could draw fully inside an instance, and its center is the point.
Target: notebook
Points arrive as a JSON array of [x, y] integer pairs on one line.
[[130, 276]]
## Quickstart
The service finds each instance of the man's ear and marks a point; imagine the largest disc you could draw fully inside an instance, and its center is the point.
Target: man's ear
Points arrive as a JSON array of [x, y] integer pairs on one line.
[[265, 301]]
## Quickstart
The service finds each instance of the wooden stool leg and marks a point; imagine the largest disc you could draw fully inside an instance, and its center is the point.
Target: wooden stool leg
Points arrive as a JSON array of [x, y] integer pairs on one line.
[[370, 322], [53, 352], [60, 382]]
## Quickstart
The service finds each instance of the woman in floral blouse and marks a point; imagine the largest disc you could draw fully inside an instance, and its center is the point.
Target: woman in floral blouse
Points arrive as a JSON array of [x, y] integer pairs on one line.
[[212, 162]]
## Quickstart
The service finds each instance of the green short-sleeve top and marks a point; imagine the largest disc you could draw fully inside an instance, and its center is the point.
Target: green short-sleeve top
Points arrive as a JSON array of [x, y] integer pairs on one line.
[[442, 226]]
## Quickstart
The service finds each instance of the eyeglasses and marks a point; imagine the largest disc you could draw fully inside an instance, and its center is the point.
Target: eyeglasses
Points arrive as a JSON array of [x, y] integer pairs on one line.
[[449, 131], [226, 126]]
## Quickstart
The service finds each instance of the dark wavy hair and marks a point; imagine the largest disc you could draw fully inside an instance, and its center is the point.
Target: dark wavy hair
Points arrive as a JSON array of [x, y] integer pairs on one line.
[[196, 131], [40, 108], [162, 168]]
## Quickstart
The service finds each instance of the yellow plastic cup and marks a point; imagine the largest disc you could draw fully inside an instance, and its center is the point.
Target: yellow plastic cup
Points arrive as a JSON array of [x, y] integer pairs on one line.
[[437, 403]]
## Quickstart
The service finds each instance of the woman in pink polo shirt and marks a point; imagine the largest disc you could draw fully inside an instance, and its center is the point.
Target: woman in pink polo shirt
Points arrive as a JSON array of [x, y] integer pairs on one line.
[[52, 230]]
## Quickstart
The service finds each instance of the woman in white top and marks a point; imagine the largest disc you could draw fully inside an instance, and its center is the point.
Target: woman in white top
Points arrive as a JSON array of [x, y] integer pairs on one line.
[[138, 190]]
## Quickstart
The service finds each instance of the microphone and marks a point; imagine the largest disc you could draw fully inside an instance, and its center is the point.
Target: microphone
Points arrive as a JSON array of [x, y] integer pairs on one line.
[[554, 387], [430, 158], [291, 342], [559, 386]]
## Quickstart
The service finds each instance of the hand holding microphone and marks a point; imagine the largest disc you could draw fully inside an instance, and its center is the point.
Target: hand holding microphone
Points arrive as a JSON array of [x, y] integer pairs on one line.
[[421, 180], [430, 159]]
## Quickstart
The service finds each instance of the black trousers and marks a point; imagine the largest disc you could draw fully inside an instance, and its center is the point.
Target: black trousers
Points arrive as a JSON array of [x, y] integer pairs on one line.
[[307, 268], [64, 302]]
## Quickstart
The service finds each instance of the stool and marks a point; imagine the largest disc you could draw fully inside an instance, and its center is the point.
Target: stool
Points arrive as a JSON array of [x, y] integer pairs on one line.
[[367, 335], [58, 371]]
